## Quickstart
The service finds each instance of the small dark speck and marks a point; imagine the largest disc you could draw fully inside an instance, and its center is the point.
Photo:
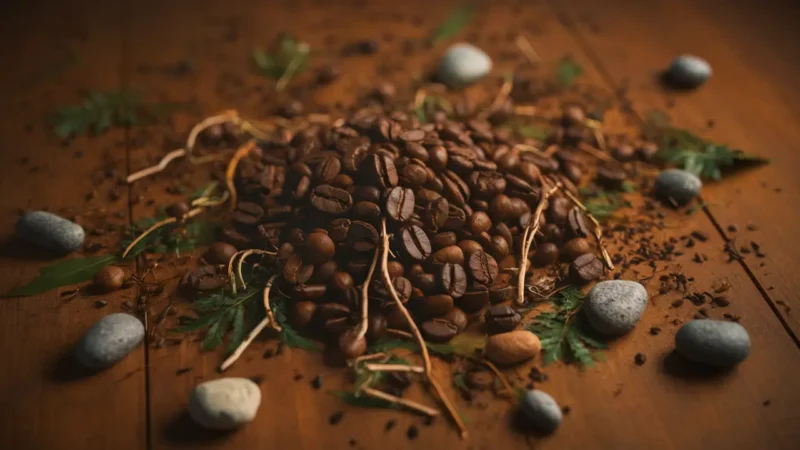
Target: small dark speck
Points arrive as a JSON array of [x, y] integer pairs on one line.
[[316, 383], [412, 432], [565, 410], [183, 371], [297, 377], [389, 425], [353, 443], [336, 417], [269, 353], [640, 359], [733, 228], [100, 303], [427, 421], [655, 330], [766, 403]]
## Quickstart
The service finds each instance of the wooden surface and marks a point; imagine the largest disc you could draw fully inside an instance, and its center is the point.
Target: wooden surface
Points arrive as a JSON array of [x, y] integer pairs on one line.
[[140, 403]]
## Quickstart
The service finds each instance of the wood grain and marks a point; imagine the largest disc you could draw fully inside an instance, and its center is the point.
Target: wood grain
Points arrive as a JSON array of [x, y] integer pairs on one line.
[[747, 99], [49, 401]]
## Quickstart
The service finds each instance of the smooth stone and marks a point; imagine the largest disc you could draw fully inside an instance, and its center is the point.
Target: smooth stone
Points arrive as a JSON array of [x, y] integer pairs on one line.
[[614, 307], [109, 340], [713, 342], [225, 404], [463, 64], [50, 231], [689, 71], [678, 185], [541, 410]]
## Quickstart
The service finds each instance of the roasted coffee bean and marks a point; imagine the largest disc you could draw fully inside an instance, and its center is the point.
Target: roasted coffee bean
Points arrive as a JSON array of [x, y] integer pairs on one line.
[[367, 211], [303, 313], [400, 204], [402, 287], [395, 269], [502, 293], [327, 170], [623, 152], [436, 213], [479, 205], [546, 254], [319, 247], [367, 194], [508, 262], [342, 281], [285, 251], [439, 331], [220, 253], [338, 230], [479, 222], [498, 247], [474, 299], [376, 326], [177, 210], [611, 176], [334, 328], [204, 278], [552, 233], [413, 175], [351, 345], [482, 267], [453, 280], [586, 268], [247, 215], [546, 165], [309, 291], [487, 184], [415, 150], [423, 197], [415, 243], [327, 311], [578, 224], [379, 170], [426, 282], [574, 248], [331, 200], [452, 255], [412, 135], [457, 318], [342, 181], [559, 210], [573, 115], [353, 157], [434, 182], [444, 239], [529, 172], [362, 237], [572, 171], [501, 229], [324, 272], [436, 305], [501, 208], [501, 319], [291, 268], [456, 217], [519, 207], [234, 237], [301, 188], [437, 157], [469, 246], [455, 190], [358, 269], [647, 151]]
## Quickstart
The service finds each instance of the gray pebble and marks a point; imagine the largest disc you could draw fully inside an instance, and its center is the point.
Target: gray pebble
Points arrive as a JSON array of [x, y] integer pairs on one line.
[[614, 307], [713, 342], [463, 64], [689, 71], [109, 340], [225, 404], [50, 231], [541, 410], [677, 185]]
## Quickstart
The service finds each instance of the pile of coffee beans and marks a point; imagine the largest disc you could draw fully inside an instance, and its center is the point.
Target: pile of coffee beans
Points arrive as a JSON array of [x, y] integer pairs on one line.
[[456, 198]]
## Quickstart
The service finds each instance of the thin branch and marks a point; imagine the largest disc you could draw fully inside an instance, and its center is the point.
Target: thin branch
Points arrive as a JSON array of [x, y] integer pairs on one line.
[[191, 213], [372, 357], [158, 167], [598, 230], [268, 319], [399, 333], [242, 255], [362, 328], [527, 239], [584, 147], [462, 429], [230, 115], [428, 411], [267, 308], [498, 101], [241, 152], [394, 368], [527, 49]]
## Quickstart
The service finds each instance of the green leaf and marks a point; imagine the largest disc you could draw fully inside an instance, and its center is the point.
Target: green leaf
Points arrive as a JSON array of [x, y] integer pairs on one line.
[[287, 59], [453, 23], [533, 131], [238, 333], [567, 71], [460, 381], [64, 273], [578, 351], [628, 187]]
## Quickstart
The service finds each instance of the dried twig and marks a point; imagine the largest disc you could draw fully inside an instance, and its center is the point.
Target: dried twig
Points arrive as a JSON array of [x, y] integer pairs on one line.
[[527, 49], [241, 152], [598, 230], [528, 238], [594, 152], [394, 368], [268, 308], [371, 357], [362, 327], [498, 101], [191, 213], [399, 333], [158, 167], [242, 255], [255, 332], [428, 411]]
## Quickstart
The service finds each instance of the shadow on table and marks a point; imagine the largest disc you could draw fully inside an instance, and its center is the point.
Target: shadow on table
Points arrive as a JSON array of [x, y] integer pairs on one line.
[[67, 368], [680, 367], [12, 247], [182, 429]]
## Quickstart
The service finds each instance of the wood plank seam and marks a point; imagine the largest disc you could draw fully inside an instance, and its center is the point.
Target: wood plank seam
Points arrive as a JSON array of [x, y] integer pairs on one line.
[[592, 56]]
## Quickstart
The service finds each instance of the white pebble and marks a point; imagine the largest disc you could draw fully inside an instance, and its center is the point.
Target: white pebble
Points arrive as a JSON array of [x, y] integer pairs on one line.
[[541, 410], [713, 342], [689, 71], [225, 404], [50, 231], [109, 340], [676, 185], [614, 307], [463, 64]]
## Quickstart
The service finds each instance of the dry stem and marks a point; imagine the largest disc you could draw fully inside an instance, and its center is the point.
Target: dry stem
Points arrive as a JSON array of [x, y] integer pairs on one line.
[[428, 411], [394, 368], [399, 333], [594, 152], [527, 49], [598, 230], [268, 319], [241, 152], [157, 225], [498, 101], [498, 374], [267, 308], [528, 238], [372, 357], [417, 335], [158, 167], [362, 327], [242, 255]]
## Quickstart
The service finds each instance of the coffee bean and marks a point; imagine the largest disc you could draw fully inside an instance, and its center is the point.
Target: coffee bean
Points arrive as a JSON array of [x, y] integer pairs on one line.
[[328, 311], [328, 170], [395, 269], [547, 165], [545, 255], [453, 280], [439, 330], [415, 150], [559, 210], [358, 270], [379, 170], [301, 188], [177, 210], [415, 243], [412, 135], [331, 200], [469, 246], [400, 204], [413, 175], [501, 208], [426, 282], [319, 248], [452, 255], [552, 233], [482, 267], [500, 293], [292, 267], [455, 190], [623, 152], [367, 194], [611, 176], [578, 224], [437, 157], [303, 313], [351, 345], [444, 239], [458, 318], [519, 207], [309, 291], [436, 213], [529, 172], [247, 215], [324, 272], [235, 238], [575, 247], [334, 328], [501, 319], [436, 305], [586, 268], [220, 253], [367, 211], [342, 281], [362, 237], [456, 217], [376, 326], [487, 184], [479, 222], [474, 299], [338, 229], [498, 247]]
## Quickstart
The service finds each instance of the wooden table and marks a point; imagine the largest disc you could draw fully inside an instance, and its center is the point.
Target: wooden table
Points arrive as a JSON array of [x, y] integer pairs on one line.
[[752, 99]]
